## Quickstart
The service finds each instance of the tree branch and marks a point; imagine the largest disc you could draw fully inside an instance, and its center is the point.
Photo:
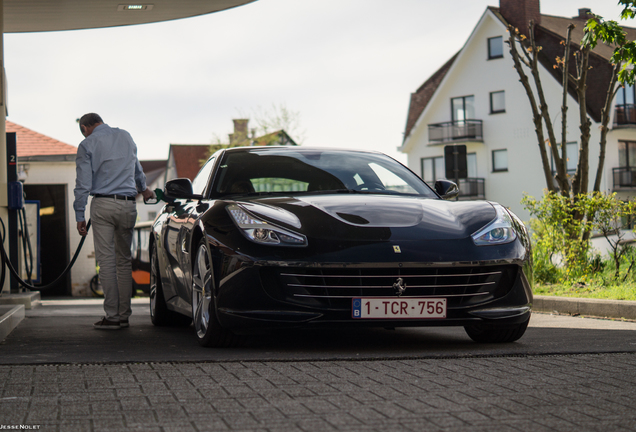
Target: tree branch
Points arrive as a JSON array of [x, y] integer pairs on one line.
[[561, 176], [605, 111], [536, 115], [581, 177], [564, 103]]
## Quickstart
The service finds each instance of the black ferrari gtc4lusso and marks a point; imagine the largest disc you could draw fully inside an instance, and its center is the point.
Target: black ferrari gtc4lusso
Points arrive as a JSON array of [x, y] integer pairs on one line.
[[271, 237]]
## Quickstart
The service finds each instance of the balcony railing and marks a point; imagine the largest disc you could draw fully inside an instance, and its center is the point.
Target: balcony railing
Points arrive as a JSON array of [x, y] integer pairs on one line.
[[624, 177], [461, 130], [625, 115], [471, 188]]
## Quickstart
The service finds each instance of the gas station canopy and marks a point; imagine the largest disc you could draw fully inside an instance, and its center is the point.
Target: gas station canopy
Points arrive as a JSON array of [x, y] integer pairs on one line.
[[54, 15]]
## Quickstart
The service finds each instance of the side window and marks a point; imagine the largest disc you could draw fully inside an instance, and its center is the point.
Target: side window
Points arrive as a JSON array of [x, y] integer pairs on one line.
[[433, 169], [201, 180], [495, 47], [497, 102], [500, 160]]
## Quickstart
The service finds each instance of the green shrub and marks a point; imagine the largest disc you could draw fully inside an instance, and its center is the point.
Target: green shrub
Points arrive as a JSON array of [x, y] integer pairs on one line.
[[561, 231]]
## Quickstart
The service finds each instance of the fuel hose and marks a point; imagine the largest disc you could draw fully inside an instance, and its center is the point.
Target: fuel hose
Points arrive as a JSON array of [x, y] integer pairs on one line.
[[14, 273], [159, 196]]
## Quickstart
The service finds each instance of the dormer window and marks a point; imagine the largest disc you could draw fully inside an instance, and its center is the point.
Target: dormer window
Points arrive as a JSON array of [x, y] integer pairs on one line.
[[495, 47]]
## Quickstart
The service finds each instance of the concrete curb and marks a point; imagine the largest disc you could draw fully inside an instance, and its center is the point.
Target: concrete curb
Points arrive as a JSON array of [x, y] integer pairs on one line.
[[10, 317], [29, 299], [588, 307]]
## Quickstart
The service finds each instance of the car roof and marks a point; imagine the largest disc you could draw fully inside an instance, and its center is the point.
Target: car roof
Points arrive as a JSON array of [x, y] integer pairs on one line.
[[299, 149]]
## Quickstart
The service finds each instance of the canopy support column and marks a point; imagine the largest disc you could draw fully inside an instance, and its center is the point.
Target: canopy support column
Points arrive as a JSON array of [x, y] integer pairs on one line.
[[4, 212]]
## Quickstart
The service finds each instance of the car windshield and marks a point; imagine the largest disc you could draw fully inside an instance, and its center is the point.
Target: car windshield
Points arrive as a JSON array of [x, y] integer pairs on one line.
[[290, 171]]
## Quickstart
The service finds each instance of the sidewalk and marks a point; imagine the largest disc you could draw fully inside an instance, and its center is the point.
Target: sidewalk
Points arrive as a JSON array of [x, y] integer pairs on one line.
[[598, 308]]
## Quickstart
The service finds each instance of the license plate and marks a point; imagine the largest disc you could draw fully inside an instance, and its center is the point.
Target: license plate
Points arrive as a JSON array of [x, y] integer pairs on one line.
[[399, 308]]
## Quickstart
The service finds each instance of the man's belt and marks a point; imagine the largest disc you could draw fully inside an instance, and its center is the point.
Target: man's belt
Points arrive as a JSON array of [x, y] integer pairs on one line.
[[119, 197]]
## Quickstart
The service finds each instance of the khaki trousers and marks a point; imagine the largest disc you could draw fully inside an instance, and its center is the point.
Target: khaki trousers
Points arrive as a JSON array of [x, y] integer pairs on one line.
[[112, 223]]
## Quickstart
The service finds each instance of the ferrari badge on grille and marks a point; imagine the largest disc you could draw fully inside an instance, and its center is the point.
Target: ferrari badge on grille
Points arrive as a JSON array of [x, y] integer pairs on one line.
[[399, 286]]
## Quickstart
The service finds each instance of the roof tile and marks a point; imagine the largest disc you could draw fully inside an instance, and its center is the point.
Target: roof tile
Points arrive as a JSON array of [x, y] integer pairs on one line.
[[188, 158], [31, 143]]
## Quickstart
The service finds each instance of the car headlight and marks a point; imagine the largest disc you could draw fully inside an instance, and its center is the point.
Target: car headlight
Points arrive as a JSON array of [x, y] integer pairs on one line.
[[499, 231], [263, 232]]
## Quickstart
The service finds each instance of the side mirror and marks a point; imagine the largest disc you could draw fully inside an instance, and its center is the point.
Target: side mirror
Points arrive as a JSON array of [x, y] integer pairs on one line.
[[180, 188], [446, 189]]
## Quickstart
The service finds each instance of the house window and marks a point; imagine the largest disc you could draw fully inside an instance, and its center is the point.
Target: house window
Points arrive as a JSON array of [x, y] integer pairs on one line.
[[500, 160], [572, 150], [495, 47], [625, 96], [471, 161], [433, 168], [497, 102], [625, 112], [463, 108], [627, 154]]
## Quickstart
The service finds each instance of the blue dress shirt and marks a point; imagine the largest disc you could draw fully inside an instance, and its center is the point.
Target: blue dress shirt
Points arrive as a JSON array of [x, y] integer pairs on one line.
[[106, 164]]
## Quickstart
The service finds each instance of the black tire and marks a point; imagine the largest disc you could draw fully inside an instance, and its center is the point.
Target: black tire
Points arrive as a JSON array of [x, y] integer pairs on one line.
[[207, 329], [160, 315], [489, 334]]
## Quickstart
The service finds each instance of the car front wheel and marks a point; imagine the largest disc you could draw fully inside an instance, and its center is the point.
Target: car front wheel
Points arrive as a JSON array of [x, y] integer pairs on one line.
[[207, 328], [489, 334]]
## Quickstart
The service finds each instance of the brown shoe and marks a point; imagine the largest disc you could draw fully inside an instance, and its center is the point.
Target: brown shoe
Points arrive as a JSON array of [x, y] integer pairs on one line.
[[104, 324], [124, 323]]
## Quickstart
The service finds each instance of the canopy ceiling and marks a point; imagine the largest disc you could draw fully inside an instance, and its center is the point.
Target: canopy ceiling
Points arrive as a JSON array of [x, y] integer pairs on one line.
[[53, 15]]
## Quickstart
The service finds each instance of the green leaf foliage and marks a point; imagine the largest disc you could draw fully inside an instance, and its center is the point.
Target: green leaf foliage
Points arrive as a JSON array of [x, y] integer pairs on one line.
[[561, 231], [609, 32]]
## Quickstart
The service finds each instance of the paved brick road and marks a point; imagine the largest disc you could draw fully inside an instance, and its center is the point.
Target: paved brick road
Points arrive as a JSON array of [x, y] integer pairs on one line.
[[537, 393]]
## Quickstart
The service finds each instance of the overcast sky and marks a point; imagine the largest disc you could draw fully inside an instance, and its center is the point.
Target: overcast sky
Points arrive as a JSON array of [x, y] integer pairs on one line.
[[347, 66]]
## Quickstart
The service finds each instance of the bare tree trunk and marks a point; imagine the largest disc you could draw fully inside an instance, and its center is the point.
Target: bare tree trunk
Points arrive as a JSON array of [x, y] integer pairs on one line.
[[609, 98], [564, 103], [536, 115], [561, 176], [581, 178]]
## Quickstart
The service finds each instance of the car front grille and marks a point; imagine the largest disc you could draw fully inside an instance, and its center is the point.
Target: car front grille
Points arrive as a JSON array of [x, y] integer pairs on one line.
[[335, 287]]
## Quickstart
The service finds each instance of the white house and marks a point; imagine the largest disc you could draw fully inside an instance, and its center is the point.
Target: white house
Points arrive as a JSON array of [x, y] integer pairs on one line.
[[476, 99]]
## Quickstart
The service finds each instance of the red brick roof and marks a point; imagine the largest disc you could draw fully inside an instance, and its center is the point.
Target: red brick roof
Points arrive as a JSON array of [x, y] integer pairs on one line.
[[188, 158], [31, 143], [423, 95]]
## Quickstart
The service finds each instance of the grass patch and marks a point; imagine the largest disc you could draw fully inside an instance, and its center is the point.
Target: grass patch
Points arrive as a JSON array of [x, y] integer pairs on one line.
[[625, 291]]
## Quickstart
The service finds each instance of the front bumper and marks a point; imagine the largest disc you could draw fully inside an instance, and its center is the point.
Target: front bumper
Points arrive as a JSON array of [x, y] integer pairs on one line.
[[268, 295]]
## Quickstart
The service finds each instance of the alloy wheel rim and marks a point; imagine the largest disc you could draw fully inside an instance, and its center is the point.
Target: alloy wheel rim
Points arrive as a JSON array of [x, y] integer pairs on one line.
[[153, 283], [201, 292]]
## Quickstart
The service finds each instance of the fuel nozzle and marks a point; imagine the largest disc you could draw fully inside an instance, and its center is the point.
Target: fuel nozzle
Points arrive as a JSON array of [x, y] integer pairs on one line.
[[158, 196]]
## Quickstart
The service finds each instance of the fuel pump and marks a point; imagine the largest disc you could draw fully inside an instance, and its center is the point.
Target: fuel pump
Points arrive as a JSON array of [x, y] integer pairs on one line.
[[20, 241], [15, 204]]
